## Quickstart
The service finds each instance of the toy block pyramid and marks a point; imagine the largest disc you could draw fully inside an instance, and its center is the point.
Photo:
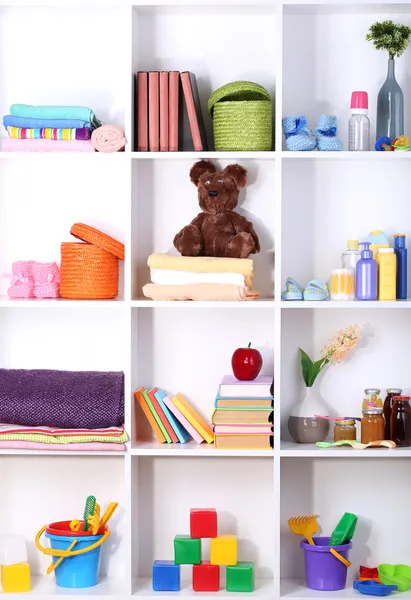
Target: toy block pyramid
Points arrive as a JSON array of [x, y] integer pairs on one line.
[[206, 574]]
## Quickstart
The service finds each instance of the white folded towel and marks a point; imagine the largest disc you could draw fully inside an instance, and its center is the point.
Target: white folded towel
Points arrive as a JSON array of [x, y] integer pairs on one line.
[[167, 277]]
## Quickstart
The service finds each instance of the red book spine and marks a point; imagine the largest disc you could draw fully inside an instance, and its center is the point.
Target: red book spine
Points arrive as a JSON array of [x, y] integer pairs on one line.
[[191, 111], [164, 112], [153, 111], [162, 416], [173, 98], [142, 112]]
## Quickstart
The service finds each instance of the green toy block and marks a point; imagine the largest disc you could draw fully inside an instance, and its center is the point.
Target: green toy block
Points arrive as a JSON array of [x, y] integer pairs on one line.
[[240, 578], [187, 550]]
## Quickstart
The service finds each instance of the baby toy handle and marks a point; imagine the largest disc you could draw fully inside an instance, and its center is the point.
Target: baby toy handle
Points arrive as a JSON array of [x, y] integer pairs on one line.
[[340, 557], [67, 553]]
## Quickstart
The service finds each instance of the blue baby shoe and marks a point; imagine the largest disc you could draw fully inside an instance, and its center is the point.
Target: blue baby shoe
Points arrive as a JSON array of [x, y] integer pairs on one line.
[[316, 290], [297, 135], [326, 133], [293, 290]]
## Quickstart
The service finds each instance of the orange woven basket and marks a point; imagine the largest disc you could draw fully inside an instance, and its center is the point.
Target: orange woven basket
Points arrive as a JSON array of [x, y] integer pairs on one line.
[[98, 238], [87, 272]]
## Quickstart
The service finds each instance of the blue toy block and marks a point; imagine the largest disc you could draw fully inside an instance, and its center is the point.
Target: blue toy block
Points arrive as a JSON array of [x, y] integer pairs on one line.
[[166, 576]]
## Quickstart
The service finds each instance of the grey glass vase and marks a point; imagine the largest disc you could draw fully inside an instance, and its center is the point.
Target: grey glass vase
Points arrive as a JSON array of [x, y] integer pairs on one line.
[[390, 106]]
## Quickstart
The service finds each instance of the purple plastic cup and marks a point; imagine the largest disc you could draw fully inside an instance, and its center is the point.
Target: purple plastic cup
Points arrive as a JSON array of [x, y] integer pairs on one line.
[[323, 571]]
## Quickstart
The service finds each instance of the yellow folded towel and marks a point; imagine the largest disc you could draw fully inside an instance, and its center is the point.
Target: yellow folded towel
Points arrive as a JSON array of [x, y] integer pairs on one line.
[[204, 264], [199, 291]]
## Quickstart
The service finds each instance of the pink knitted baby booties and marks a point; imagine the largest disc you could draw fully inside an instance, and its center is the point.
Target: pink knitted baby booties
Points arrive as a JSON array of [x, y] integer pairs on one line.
[[47, 280], [22, 285]]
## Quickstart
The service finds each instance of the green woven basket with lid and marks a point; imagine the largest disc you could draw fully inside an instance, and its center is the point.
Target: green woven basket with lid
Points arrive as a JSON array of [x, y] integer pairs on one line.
[[242, 117]]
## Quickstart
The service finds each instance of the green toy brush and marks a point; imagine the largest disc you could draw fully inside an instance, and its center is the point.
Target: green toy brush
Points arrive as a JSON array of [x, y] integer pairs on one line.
[[89, 510]]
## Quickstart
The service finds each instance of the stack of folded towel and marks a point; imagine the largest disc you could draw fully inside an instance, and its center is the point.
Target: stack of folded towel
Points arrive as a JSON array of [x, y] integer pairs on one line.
[[49, 129], [62, 410], [199, 278]]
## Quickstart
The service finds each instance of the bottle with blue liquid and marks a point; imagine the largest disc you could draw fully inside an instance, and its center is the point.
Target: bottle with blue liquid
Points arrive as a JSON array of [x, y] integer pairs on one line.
[[366, 280], [401, 254]]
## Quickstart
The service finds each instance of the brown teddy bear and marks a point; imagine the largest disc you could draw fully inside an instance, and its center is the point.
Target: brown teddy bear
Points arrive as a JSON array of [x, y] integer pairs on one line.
[[218, 231]]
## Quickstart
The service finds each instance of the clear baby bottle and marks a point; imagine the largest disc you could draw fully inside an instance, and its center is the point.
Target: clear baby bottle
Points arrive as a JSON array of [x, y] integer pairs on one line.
[[359, 124]]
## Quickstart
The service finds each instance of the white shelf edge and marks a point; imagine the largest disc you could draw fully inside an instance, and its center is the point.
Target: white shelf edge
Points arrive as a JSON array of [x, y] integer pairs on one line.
[[65, 155], [199, 155], [43, 586], [62, 303], [193, 449], [374, 305], [345, 155], [200, 304], [293, 450], [13, 451]]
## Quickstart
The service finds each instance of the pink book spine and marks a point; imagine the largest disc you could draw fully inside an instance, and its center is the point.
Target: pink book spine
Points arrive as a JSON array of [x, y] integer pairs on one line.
[[191, 111], [164, 111], [187, 426], [153, 111], [174, 82], [142, 112]]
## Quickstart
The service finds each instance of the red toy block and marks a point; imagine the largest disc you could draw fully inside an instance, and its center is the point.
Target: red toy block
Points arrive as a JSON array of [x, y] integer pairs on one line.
[[203, 522], [206, 577]]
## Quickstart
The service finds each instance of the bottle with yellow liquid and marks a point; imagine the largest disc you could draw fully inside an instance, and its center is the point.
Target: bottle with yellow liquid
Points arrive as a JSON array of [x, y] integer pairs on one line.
[[387, 274], [377, 239]]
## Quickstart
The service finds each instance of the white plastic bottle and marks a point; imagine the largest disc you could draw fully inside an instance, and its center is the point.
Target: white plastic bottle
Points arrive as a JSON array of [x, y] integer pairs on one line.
[[359, 124]]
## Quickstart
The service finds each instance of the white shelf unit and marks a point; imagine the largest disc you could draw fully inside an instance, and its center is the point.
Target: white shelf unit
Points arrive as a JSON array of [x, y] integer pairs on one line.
[[304, 206]]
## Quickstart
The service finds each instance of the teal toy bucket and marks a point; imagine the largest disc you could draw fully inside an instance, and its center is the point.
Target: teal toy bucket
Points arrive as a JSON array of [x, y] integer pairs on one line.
[[78, 569]]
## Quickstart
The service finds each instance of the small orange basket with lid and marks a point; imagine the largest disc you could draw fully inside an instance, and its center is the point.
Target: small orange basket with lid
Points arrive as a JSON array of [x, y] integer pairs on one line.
[[89, 269]]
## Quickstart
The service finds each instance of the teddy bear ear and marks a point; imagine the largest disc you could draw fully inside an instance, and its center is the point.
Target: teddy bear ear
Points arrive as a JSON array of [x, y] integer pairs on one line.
[[238, 174], [199, 168]]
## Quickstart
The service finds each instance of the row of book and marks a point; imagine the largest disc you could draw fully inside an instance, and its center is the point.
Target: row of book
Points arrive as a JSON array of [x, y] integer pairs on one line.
[[243, 414], [172, 418], [160, 112]]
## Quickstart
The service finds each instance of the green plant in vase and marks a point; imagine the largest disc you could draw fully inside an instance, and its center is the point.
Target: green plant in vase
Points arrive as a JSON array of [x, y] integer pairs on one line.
[[303, 425], [394, 39]]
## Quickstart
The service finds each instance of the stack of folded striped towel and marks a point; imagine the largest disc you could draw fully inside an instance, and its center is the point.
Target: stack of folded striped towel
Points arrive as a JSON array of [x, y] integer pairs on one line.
[[49, 129], [62, 410], [199, 278]]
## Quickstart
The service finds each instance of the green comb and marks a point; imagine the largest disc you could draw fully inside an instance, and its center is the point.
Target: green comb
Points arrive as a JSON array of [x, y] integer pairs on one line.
[[89, 510]]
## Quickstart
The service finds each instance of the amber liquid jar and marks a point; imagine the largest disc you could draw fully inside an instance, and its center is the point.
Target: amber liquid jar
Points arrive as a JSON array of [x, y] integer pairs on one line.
[[401, 421], [345, 430], [372, 425], [388, 402]]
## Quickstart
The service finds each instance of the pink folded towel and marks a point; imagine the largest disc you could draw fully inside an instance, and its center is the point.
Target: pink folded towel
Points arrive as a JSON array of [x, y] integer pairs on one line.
[[198, 291], [16, 145], [93, 446], [108, 138]]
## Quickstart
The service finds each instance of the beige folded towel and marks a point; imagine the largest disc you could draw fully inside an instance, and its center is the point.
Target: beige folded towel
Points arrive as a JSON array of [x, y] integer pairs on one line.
[[204, 264], [198, 291]]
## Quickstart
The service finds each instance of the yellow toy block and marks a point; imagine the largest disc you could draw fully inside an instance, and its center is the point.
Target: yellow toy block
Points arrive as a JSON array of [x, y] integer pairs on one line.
[[15, 578], [223, 550]]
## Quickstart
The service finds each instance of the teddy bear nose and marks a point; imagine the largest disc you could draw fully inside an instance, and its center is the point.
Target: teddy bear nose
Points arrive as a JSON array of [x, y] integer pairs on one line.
[[212, 193]]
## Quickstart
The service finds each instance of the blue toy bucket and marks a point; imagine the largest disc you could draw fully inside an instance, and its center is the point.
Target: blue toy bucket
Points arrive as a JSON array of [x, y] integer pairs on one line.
[[80, 568]]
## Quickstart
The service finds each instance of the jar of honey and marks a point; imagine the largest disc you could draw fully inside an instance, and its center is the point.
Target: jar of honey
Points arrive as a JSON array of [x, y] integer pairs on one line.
[[372, 399], [345, 430], [372, 425]]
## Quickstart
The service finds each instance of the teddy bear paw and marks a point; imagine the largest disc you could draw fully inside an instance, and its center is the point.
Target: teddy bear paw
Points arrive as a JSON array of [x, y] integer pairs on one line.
[[240, 246], [188, 241]]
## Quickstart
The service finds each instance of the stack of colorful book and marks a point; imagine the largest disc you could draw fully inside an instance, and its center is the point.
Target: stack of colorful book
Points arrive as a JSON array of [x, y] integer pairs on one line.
[[172, 418], [244, 414], [159, 111]]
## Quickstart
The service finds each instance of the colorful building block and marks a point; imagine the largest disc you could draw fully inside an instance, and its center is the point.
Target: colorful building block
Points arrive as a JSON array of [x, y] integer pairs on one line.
[[223, 550], [15, 579], [166, 576], [187, 550], [206, 577], [240, 578], [203, 522]]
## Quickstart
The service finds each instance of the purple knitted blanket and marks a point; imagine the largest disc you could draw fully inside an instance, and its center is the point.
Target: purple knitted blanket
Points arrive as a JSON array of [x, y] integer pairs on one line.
[[67, 399]]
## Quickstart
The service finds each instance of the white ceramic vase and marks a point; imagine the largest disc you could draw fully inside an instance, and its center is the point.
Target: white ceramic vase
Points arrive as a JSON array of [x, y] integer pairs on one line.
[[303, 426]]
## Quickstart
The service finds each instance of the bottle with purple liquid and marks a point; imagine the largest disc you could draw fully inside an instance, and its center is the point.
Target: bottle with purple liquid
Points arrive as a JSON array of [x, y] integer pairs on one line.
[[366, 279]]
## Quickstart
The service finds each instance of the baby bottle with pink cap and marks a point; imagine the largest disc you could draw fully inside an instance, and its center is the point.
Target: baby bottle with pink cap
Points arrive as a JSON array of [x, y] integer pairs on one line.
[[359, 125]]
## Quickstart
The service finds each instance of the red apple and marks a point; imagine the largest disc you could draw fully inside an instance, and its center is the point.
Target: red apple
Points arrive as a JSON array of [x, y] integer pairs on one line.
[[246, 363]]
